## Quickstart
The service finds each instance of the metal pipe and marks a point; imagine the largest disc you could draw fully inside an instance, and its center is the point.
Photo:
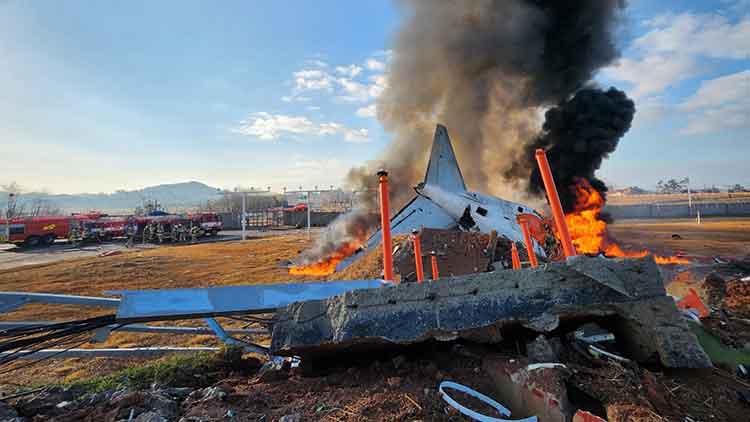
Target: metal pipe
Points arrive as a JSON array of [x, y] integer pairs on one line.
[[13, 300], [554, 203], [125, 352], [433, 259], [227, 339], [385, 223], [515, 259], [418, 255], [141, 328], [527, 240]]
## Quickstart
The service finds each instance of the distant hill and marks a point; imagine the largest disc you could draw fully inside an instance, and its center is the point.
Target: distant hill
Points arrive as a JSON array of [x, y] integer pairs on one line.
[[171, 196]]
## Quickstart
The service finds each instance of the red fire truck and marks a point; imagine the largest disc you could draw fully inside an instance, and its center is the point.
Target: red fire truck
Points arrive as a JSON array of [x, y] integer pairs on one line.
[[37, 231], [210, 222]]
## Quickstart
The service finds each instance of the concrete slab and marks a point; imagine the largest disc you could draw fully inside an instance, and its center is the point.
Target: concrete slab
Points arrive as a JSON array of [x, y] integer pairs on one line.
[[478, 307]]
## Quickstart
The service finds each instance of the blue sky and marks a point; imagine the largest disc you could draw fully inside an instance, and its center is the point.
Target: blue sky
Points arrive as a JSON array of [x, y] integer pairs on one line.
[[98, 96]]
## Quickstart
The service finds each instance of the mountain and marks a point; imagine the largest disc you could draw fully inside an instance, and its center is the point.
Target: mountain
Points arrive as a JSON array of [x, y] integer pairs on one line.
[[175, 196]]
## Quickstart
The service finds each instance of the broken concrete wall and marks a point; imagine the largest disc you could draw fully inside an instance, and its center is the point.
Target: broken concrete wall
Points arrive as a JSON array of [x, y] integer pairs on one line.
[[479, 306]]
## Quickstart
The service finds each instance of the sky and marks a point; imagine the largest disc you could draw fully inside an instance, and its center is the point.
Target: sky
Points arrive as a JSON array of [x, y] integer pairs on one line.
[[100, 96]]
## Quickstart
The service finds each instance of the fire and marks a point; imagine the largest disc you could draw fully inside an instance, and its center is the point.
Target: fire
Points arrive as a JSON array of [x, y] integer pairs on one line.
[[589, 231], [327, 265]]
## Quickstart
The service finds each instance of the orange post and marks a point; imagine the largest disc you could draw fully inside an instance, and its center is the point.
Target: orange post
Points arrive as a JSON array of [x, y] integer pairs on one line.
[[527, 240], [433, 260], [515, 259], [418, 255], [554, 202], [385, 224]]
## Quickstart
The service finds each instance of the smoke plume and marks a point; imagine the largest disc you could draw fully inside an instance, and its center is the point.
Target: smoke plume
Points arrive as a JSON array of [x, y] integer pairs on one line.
[[578, 135], [486, 69]]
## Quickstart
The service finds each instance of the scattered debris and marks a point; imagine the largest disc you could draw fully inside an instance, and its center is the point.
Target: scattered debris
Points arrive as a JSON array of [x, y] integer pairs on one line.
[[473, 393], [540, 350]]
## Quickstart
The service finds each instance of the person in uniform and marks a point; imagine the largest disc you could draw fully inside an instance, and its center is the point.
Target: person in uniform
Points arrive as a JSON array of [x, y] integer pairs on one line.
[[130, 230]]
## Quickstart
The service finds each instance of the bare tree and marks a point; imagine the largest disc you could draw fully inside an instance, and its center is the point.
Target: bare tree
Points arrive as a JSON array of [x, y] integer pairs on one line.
[[14, 208], [39, 207]]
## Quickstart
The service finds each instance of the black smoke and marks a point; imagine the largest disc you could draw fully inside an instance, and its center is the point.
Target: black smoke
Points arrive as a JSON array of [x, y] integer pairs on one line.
[[578, 135]]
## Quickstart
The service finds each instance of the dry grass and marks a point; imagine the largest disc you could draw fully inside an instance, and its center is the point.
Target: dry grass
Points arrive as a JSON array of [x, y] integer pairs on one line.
[[254, 261]]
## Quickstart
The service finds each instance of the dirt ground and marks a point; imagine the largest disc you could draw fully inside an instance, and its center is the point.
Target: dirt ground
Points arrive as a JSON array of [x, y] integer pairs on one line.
[[721, 236], [259, 261]]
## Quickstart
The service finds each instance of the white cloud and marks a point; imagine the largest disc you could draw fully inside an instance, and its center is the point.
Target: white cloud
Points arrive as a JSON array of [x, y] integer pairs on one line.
[[669, 52], [719, 104], [313, 80], [268, 127], [297, 98], [375, 65], [353, 91], [350, 71], [654, 73], [710, 35], [318, 63], [715, 92], [368, 111]]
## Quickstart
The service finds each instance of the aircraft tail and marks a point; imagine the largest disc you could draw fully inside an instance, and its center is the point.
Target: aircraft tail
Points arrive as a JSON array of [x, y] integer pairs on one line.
[[442, 170]]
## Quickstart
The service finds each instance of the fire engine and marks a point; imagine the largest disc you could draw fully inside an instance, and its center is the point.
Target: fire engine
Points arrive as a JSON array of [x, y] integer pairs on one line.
[[43, 231], [37, 231], [210, 222]]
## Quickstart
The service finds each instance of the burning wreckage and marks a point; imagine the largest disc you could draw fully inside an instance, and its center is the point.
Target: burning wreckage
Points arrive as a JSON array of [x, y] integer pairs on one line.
[[481, 302]]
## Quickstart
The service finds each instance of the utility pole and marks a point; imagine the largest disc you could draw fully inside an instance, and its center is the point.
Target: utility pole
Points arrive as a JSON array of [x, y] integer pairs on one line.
[[309, 235], [244, 214], [11, 198], [307, 194]]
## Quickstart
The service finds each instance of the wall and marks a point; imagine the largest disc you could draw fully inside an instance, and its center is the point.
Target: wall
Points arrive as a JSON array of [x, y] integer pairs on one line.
[[716, 209], [294, 219]]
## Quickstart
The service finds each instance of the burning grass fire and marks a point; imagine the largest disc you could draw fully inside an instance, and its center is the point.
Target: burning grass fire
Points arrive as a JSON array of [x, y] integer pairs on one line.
[[588, 229], [327, 264]]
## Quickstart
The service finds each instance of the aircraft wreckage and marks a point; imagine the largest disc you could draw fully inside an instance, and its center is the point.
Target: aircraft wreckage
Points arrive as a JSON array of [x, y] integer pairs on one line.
[[323, 320]]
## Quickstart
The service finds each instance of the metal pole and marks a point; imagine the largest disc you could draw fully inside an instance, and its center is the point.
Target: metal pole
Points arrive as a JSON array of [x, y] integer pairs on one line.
[[385, 223], [554, 203], [418, 255], [308, 215], [435, 272], [7, 217], [690, 197], [244, 215], [527, 240], [515, 259]]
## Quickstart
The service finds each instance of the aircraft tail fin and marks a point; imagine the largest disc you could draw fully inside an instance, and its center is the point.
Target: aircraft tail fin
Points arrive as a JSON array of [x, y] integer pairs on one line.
[[443, 170]]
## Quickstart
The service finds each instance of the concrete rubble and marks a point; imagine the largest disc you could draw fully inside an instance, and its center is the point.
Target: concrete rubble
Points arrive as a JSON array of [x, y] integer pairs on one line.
[[626, 296]]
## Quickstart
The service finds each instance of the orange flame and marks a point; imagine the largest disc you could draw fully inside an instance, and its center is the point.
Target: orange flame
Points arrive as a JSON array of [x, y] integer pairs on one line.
[[327, 265], [589, 231]]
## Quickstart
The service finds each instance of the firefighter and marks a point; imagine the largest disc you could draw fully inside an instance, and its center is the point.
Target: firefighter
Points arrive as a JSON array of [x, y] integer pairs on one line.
[[74, 235], [183, 233], [130, 230], [194, 233], [161, 233]]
